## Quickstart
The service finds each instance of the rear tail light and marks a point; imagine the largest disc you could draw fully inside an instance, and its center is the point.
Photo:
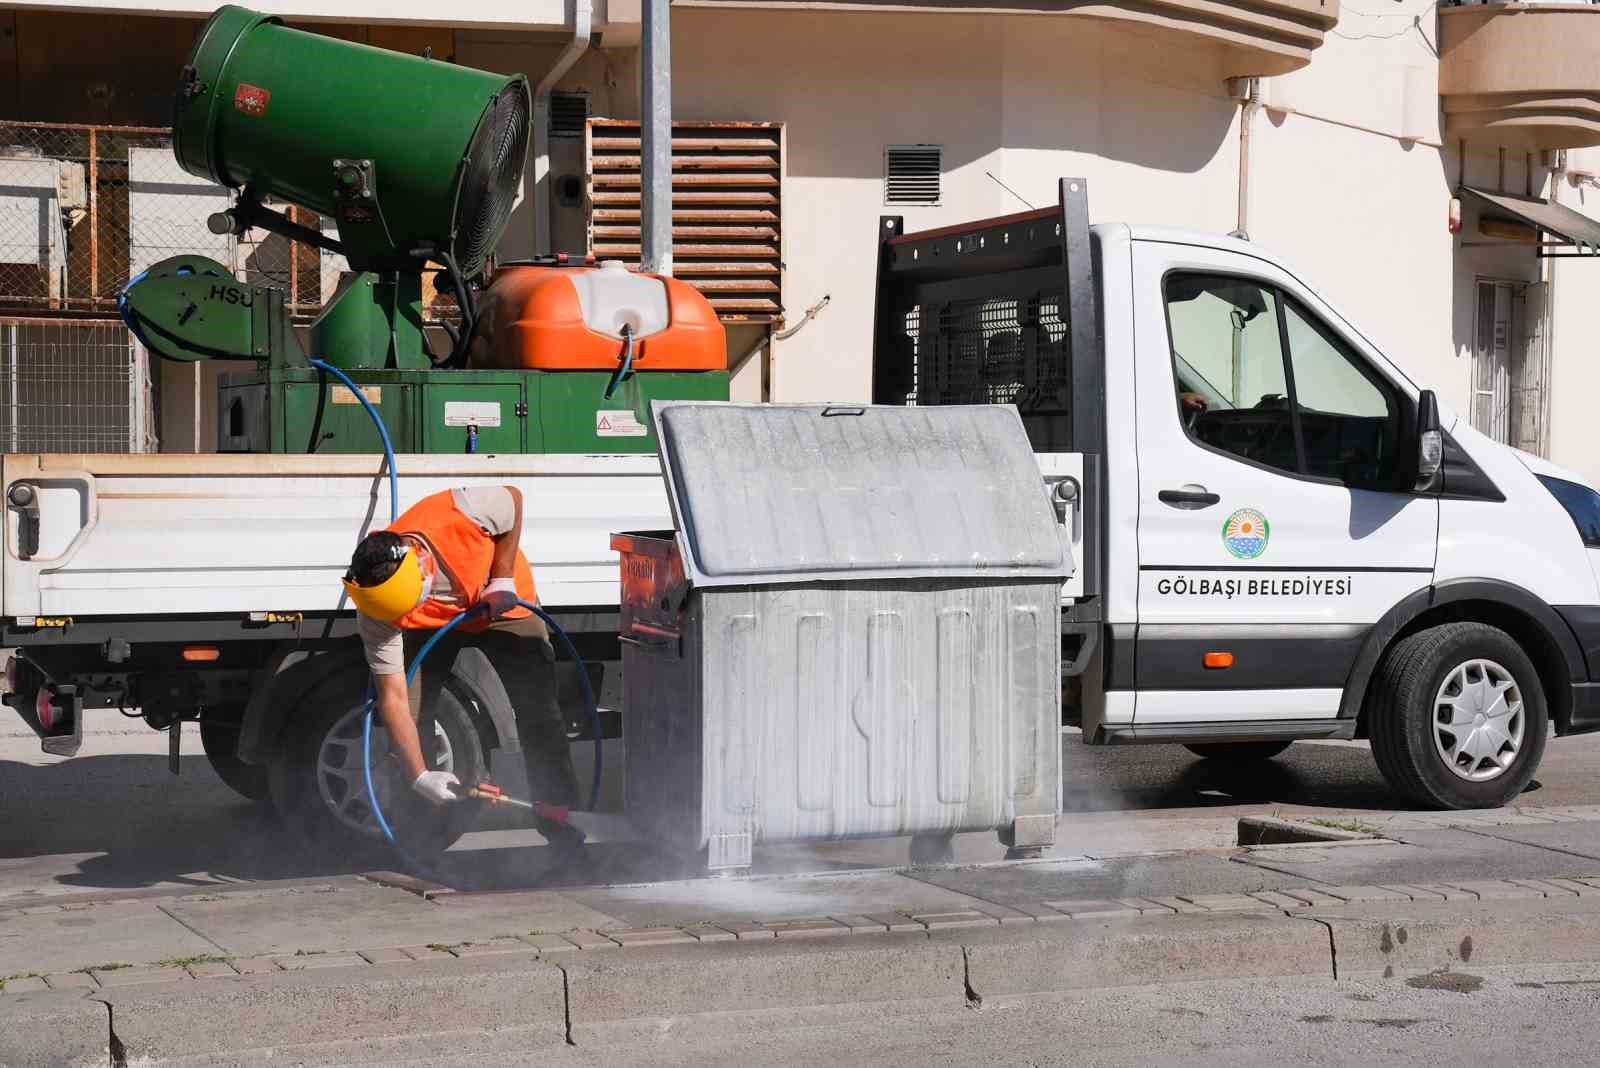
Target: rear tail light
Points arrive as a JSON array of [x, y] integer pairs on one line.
[[202, 654]]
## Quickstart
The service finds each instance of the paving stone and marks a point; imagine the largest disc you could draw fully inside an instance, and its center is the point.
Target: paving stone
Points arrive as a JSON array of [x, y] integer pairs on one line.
[[426, 953], [140, 973], [895, 921], [310, 961], [1026, 913], [71, 981], [807, 928], [938, 921], [1177, 904], [211, 969], [649, 936], [861, 924], [493, 947], [1277, 900], [1443, 890], [590, 940], [549, 943], [1549, 888], [709, 932], [1227, 902], [747, 930], [254, 965], [1313, 897], [1581, 889], [39, 910], [27, 984], [1415, 893], [386, 956], [1498, 890], [1094, 908], [1144, 907], [1365, 893]]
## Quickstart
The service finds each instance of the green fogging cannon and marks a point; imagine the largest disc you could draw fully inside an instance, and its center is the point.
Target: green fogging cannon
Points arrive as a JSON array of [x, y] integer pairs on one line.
[[419, 163]]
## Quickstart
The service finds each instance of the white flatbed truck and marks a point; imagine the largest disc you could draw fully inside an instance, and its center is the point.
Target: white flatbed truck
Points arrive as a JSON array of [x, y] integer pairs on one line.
[[1278, 536]]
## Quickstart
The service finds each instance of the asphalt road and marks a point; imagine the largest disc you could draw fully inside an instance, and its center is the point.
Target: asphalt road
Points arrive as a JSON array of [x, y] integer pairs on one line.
[[114, 818]]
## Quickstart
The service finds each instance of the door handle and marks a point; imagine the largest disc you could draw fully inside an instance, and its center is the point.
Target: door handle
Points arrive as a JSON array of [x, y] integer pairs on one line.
[[1184, 496]]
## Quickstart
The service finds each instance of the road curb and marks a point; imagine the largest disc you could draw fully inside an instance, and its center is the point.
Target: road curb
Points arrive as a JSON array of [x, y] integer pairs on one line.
[[1417, 938], [52, 1027]]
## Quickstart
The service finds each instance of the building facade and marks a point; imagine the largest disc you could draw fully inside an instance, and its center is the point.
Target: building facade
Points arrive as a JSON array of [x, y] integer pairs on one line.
[[1403, 156]]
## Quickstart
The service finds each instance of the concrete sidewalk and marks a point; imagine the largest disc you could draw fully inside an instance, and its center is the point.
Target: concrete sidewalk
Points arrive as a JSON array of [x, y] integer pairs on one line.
[[381, 956]]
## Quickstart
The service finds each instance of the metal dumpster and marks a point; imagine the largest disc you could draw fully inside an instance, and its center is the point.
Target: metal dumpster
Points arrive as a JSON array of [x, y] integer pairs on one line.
[[854, 630]]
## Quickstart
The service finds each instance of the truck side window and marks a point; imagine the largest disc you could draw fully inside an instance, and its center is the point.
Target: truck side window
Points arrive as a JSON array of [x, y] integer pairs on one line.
[[1261, 378], [1227, 353], [1349, 418]]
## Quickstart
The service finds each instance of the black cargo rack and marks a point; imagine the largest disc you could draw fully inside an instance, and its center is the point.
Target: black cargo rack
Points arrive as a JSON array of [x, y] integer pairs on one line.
[[1001, 311]]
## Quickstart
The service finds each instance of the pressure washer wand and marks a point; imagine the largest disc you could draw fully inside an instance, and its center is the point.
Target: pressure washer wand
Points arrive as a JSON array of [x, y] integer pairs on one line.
[[488, 791]]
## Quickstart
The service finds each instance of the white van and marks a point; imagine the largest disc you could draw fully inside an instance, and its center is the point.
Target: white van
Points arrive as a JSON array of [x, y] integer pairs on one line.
[[1280, 535]]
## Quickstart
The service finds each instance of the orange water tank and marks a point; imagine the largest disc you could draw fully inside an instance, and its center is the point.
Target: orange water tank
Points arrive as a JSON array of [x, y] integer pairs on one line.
[[575, 319]]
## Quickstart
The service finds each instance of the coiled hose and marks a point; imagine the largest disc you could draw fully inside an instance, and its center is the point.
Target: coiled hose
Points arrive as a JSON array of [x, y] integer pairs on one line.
[[416, 663]]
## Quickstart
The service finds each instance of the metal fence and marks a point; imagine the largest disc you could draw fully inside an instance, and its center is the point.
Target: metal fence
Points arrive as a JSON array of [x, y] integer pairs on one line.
[[73, 385], [85, 208]]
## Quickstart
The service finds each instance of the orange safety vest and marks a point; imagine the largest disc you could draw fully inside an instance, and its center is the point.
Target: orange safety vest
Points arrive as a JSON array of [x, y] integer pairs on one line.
[[465, 553]]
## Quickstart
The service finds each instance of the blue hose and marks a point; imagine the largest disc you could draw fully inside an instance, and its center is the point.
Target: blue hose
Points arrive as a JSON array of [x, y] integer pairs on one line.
[[416, 663]]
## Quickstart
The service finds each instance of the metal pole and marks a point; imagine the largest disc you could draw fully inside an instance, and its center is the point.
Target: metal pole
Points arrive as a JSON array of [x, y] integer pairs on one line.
[[655, 122], [94, 218]]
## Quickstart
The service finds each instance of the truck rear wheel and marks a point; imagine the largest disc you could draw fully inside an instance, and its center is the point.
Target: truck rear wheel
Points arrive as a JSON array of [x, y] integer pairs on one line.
[[319, 788], [1238, 752], [219, 737], [1458, 717]]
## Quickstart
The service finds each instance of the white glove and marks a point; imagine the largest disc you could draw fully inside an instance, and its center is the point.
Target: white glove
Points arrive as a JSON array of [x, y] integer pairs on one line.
[[500, 596], [435, 786]]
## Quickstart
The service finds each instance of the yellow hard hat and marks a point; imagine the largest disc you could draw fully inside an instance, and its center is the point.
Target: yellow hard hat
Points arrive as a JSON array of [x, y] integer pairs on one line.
[[395, 596]]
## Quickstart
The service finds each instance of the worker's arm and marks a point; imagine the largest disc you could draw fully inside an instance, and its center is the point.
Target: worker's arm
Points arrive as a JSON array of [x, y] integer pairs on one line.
[[394, 710], [507, 541]]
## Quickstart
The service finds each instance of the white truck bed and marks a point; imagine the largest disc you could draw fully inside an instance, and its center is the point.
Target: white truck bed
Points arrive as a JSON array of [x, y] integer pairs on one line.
[[178, 534]]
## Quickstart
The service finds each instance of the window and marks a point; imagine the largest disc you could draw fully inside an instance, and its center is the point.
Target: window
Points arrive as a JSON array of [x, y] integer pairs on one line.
[[911, 174], [1581, 503], [1260, 378]]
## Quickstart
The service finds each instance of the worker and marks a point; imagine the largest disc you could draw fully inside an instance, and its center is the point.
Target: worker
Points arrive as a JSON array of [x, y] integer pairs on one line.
[[452, 552]]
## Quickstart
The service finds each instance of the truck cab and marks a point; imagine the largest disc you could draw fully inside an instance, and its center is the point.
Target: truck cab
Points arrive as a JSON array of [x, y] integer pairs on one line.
[[1280, 535]]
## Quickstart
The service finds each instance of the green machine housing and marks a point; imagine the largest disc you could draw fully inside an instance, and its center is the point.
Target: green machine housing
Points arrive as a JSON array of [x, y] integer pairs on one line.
[[419, 163]]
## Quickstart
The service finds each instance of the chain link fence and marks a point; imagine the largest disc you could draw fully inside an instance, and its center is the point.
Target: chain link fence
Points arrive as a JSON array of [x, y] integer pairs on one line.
[[83, 209]]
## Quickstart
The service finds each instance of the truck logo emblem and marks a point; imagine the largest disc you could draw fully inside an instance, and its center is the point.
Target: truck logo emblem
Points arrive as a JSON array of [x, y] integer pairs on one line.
[[1245, 533]]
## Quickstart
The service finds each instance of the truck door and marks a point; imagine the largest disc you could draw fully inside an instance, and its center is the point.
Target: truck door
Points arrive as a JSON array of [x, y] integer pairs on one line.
[[1273, 528]]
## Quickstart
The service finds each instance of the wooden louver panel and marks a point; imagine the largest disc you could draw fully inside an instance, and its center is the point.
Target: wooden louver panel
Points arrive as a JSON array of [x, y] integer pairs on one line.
[[727, 208]]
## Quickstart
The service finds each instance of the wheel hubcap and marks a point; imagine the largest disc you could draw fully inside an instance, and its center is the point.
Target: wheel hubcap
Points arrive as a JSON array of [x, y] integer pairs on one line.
[[341, 780], [1478, 720]]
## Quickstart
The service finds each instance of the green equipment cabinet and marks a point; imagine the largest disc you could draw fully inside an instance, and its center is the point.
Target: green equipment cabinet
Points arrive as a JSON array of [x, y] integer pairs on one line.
[[299, 410]]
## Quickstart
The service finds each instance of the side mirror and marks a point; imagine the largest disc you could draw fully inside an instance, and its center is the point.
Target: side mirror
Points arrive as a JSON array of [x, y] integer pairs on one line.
[[1430, 441]]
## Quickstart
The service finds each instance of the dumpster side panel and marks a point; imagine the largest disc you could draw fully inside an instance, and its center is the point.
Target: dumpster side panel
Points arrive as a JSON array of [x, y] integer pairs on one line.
[[841, 710]]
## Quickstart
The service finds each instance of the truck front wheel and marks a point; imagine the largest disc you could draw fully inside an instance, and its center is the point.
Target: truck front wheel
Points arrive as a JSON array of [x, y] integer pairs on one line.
[[319, 787], [1458, 717]]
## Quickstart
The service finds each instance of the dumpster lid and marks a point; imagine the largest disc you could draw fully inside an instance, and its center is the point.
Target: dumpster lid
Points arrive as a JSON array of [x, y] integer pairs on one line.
[[808, 493]]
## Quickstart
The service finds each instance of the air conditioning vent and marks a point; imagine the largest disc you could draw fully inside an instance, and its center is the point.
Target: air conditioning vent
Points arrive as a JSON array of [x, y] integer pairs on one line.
[[911, 174], [569, 112]]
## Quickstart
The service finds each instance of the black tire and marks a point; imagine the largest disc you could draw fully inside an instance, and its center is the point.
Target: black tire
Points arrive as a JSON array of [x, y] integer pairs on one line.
[[423, 829], [1401, 711], [1237, 752], [219, 737]]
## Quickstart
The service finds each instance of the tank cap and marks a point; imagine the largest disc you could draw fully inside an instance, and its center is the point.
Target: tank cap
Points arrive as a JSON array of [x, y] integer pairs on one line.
[[613, 265]]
